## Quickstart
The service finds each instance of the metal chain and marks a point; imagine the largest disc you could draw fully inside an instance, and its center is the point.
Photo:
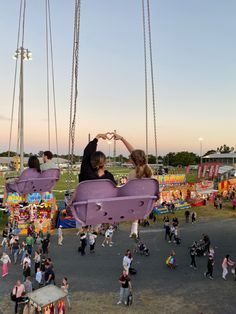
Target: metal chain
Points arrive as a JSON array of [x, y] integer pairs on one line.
[[47, 76], [74, 91], [53, 77], [152, 80], [145, 74]]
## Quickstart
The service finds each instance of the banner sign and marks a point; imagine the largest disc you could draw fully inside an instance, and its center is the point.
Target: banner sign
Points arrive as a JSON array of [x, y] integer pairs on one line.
[[217, 167], [199, 171], [211, 171], [171, 179]]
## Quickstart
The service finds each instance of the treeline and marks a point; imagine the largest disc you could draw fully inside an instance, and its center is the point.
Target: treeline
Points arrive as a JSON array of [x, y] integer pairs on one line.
[[171, 159]]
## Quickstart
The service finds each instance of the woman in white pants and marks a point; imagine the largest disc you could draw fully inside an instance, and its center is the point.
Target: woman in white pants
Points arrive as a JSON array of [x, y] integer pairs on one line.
[[142, 170], [226, 262]]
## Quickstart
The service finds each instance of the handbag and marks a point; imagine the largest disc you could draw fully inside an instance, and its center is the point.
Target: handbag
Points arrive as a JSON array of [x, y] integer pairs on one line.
[[13, 296]]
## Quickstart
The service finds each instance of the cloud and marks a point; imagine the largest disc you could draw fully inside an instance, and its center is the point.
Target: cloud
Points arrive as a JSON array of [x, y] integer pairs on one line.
[[3, 118]]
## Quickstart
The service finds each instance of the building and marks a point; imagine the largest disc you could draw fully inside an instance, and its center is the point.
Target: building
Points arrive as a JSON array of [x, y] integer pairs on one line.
[[222, 158]]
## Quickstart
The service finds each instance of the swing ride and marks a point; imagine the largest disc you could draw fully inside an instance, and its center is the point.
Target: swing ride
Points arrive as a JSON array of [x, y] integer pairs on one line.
[[95, 201]]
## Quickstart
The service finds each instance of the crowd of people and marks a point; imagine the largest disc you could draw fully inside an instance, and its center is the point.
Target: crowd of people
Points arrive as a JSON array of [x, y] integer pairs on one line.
[[33, 251]]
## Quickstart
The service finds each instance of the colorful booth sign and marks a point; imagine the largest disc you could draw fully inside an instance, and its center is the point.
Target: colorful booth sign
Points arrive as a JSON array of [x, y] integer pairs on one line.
[[171, 179]]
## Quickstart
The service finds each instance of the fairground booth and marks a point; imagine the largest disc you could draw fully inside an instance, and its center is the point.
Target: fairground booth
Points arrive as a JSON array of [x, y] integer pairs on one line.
[[47, 300], [31, 204], [201, 193], [173, 193]]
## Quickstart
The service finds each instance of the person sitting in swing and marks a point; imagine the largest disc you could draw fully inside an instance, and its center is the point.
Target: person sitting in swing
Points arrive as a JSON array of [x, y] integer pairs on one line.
[[94, 162], [47, 161]]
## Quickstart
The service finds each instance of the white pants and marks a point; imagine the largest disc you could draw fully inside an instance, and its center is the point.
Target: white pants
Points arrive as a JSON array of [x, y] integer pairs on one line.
[[134, 228], [124, 293], [225, 272]]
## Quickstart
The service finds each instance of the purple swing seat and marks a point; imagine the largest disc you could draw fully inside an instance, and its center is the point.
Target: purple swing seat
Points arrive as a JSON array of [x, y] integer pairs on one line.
[[99, 201], [43, 183]]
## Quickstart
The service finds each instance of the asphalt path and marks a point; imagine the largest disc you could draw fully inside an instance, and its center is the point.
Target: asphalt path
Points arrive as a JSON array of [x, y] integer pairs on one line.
[[99, 272]]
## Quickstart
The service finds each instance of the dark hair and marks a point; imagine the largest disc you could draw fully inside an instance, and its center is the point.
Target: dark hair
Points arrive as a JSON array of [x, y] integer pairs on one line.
[[98, 160], [33, 163], [140, 161], [48, 154]]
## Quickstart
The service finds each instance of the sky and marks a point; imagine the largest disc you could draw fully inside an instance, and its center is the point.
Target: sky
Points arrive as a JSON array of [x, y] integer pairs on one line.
[[194, 63]]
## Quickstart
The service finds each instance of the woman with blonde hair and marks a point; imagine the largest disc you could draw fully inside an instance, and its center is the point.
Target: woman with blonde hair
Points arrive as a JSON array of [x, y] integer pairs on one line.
[[142, 170]]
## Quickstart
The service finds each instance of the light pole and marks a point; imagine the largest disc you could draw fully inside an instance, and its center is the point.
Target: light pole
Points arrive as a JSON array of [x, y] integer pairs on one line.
[[22, 54], [200, 141], [109, 151]]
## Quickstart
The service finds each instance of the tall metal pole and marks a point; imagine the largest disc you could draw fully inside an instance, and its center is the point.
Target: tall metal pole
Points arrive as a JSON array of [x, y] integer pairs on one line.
[[114, 152], [21, 105]]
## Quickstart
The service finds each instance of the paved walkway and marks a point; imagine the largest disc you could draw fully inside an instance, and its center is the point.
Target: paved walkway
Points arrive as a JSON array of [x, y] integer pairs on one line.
[[99, 272]]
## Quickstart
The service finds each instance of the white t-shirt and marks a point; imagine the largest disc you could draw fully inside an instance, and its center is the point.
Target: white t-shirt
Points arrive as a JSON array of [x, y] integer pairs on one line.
[[126, 262]]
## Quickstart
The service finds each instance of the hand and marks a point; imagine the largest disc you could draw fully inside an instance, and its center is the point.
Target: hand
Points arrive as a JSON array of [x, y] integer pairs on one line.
[[117, 137], [102, 135]]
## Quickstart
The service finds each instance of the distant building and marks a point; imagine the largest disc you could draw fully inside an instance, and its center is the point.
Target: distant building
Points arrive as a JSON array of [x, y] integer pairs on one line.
[[4, 162], [222, 158]]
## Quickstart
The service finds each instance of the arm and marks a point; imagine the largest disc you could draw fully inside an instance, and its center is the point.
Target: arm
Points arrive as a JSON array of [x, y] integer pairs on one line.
[[127, 144]]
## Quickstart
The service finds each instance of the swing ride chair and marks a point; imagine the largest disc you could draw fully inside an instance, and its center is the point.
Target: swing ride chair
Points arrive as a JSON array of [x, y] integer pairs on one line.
[[99, 201], [44, 183]]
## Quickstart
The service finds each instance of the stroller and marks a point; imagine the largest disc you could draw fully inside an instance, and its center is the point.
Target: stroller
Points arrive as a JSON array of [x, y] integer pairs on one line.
[[201, 248], [142, 249]]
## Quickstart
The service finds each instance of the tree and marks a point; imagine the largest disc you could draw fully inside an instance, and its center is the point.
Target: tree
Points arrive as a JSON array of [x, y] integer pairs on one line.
[[212, 151], [181, 158], [224, 149]]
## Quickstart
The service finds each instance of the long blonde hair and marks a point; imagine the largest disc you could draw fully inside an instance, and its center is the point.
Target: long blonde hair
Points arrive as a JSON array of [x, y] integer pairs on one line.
[[140, 161]]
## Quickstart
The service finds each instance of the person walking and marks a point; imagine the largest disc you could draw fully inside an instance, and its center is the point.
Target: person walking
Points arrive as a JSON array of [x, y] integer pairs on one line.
[[193, 217], [193, 254], [26, 271], [28, 285], [92, 236], [225, 264], [4, 237], [29, 243], [39, 278], [45, 245], [5, 259], [65, 288], [210, 264], [125, 288], [60, 235], [83, 243], [15, 250], [17, 293], [187, 214], [107, 238], [37, 260], [127, 260]]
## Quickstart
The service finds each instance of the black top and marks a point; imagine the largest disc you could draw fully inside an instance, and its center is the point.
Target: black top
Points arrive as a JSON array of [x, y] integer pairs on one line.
[[86, 170]]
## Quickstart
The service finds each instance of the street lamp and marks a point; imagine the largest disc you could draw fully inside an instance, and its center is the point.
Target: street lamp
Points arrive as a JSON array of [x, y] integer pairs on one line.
[[200, 141], [22, 54], [109, 146]]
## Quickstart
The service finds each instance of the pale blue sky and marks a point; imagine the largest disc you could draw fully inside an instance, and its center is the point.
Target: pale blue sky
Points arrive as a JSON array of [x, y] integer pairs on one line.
[[194, 56]]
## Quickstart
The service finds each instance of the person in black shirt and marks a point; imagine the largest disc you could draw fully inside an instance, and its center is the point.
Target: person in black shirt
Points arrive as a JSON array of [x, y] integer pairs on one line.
[[93, 162], [49, 275], [125, 288], [45, 245]]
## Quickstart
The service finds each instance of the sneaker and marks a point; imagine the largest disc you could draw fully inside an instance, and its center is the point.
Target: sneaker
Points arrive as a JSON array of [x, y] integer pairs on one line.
[[211, 277], [103, 245], [119, 302], [205, 275], [224, 278], [190, 265], [110, 245]]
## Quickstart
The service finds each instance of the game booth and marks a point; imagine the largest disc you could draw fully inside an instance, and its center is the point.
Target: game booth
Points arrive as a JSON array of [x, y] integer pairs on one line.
[[173, 193], [47, 300], [30, 203], [201, 193]]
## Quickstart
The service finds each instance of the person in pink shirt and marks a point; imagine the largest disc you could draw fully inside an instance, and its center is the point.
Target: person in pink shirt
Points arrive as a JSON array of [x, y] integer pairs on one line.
[[226, 262], [18, 291]]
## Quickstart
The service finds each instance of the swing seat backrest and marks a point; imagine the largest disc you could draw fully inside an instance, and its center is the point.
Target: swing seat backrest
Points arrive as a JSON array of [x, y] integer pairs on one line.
[[99, 201], [43, 183]]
